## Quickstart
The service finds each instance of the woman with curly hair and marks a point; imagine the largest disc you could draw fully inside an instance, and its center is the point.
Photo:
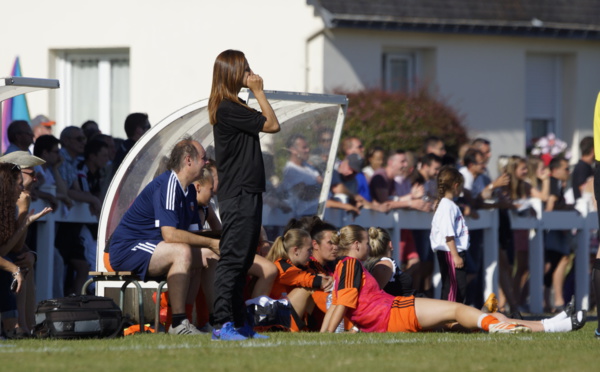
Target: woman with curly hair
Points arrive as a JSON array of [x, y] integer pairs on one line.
[[12, 231]]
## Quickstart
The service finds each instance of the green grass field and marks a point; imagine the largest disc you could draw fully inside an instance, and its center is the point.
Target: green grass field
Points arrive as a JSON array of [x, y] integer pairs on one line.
[[574, 351]]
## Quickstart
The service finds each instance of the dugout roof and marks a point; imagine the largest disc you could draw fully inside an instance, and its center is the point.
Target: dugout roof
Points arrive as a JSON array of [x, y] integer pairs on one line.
[[298, 113]]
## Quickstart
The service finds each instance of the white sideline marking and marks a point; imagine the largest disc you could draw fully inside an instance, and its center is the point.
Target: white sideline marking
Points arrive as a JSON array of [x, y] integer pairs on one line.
[[14, 348]]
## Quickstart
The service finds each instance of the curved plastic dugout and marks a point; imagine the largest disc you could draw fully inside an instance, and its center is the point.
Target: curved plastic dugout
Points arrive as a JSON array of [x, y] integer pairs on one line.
[[298, 113]]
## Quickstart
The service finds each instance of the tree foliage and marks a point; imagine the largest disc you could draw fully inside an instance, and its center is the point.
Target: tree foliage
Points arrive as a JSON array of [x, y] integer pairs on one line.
[[402, 121]]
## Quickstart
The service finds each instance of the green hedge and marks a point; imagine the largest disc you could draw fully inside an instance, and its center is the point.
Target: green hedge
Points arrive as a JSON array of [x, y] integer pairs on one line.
[[402, 121]]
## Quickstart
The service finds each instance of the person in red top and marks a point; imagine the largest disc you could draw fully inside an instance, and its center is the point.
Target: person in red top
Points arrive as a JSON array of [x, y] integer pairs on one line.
[[291, 254], [357, 295]]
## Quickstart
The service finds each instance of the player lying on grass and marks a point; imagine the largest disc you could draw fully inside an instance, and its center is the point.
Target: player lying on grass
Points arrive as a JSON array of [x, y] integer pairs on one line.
[[357, 295]]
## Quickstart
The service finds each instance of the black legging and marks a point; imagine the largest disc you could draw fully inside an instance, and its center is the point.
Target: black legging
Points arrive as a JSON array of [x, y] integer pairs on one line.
[[241, 217]]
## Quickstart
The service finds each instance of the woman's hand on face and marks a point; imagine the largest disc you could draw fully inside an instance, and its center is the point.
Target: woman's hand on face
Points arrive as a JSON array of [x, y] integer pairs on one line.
[[254, 83]]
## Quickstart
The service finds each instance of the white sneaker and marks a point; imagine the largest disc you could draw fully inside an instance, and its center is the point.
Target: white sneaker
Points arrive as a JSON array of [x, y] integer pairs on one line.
[[185, 328]]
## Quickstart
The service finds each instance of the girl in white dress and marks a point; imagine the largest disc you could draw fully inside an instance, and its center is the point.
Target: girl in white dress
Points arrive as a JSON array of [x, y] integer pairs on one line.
[[450, 236]]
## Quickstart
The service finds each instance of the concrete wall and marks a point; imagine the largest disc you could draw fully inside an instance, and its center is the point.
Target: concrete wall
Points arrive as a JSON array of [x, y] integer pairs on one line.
[[482, 76], [172, 44]]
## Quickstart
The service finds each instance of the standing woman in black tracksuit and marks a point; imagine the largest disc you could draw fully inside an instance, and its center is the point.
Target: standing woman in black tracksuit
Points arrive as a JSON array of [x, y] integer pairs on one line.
[[236, 129]]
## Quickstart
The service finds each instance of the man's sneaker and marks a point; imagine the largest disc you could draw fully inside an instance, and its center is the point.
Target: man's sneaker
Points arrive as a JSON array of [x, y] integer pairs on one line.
[[491, 304], [185, 328], [248, 331], [227, 333], [504, 327], [597, 334], [578, 320]]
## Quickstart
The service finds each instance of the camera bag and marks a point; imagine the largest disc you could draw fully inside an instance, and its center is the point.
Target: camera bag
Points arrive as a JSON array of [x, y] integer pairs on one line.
[[78, 316]]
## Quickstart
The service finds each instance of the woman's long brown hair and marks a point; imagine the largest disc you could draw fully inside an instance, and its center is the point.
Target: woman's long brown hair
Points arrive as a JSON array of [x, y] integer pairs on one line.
[[228, 79]]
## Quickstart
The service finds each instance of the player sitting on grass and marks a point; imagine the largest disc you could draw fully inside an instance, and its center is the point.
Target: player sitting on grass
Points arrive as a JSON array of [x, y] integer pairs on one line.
[[291, 254], [357, 295], [383, 268]]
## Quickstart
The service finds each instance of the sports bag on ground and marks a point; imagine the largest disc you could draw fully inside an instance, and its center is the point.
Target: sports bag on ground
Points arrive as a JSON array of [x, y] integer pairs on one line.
[[78, 316], [264, 313]]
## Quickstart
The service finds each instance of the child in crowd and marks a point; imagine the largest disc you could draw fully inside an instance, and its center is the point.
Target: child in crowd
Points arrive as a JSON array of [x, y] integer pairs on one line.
[[357, 295], [385, 270], [450, 236], [375, 159], [291, 254]]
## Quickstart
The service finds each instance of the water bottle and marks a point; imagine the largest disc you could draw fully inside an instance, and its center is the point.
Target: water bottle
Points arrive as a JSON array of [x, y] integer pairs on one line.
[[340, 327]]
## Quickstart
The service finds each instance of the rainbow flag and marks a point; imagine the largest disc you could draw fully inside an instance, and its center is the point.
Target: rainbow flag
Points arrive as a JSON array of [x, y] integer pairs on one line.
[[14, 108]]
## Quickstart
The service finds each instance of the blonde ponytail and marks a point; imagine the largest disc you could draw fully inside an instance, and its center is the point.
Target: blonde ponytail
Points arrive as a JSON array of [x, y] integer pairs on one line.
[[282, 245]]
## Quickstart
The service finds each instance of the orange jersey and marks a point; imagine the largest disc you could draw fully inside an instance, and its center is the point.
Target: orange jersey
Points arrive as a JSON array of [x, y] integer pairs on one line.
[[319, 296], [367, 306], [315, 266], [291, 276]]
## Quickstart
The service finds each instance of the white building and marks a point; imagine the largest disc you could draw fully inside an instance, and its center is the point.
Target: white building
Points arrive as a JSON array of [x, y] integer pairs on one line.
[[514, 72]]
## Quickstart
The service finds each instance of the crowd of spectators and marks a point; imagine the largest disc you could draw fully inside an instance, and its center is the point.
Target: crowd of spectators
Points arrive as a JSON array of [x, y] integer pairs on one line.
[[383, 180], [78, 166]]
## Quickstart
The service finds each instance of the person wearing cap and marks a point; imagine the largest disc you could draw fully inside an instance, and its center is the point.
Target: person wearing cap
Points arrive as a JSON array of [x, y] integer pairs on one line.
[[18, 252], [41, 125], [33, 175], [28, 164]]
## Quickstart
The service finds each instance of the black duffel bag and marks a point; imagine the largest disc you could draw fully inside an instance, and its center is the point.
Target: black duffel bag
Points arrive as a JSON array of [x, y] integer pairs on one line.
[[78, 316], [269, 314]]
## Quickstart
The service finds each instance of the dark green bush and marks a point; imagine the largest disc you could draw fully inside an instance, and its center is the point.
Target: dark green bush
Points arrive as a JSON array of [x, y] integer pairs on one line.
[[402, 121]]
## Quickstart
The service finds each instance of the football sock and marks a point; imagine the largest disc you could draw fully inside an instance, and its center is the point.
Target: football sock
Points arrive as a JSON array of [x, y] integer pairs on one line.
[[596, 284], [558, 317], [177, 319], [564, 325], [485, 321]]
